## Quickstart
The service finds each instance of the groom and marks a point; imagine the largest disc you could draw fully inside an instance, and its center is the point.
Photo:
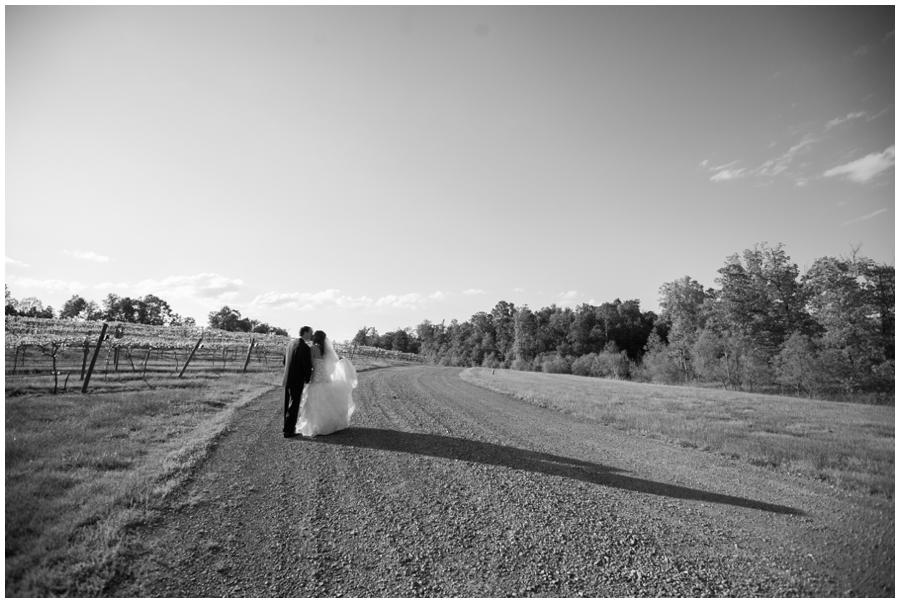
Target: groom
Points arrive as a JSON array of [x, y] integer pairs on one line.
[[297, 372]]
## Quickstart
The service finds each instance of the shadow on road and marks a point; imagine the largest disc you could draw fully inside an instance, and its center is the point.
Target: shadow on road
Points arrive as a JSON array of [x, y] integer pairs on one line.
[[527, 460]]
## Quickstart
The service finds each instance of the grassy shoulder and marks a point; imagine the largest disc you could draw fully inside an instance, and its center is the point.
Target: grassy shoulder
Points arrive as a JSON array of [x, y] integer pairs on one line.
[[847, 445], [81, 469]]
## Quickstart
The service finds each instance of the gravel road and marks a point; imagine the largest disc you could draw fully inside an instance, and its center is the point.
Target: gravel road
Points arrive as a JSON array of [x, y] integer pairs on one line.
[[441, 488]]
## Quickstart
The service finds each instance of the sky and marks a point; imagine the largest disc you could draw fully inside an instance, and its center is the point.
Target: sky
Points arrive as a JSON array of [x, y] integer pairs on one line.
[[349, 167]]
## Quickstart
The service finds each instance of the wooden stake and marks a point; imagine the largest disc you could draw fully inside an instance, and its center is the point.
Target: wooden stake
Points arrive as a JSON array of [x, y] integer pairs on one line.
[[247, 361], [87, 377], [86, 346], [146, 358], [188, 361]]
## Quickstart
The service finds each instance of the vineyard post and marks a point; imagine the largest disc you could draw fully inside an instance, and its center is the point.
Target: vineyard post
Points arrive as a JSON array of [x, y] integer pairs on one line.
[[87, 377], [188, 361], [86, 346], [146, 358], [249, 351]]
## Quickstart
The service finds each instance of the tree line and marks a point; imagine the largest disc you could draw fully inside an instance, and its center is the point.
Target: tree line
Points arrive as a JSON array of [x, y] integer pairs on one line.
[[767, 327], [147, 310]]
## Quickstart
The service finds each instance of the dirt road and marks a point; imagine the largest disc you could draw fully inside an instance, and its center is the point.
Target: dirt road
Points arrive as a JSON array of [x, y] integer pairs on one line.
[[440, 488]]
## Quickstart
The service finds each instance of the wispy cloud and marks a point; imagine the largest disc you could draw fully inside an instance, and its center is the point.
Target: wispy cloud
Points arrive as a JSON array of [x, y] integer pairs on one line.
[[474, 292], [408, 301], [770, 167], [866, 168], [208, 289], [888, 35], [568, 298], [866, 217], [48, 284], [333, 299], [88, 255], [704, 163], [727, 175], [13, 262], [518, 290], [862, 51], [723, 167], [839, 120]]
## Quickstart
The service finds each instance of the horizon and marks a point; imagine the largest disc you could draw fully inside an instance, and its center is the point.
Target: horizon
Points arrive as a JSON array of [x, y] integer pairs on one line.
[[344, 167]]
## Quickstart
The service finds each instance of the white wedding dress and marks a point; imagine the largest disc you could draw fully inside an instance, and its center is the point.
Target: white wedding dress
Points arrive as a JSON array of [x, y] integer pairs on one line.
[[326, 404]]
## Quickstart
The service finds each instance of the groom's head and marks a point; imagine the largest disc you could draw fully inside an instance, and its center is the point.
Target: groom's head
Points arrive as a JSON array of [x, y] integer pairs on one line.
[[306, 333]]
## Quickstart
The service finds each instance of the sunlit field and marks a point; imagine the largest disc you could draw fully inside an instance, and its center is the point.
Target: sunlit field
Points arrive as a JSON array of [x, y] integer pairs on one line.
[[847, 445]]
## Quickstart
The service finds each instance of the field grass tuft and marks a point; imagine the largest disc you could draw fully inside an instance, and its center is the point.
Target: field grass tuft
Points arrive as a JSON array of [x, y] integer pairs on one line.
[[847, 445]]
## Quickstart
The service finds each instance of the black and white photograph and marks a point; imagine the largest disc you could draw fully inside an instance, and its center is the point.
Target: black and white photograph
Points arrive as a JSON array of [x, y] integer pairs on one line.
[[449, 301]]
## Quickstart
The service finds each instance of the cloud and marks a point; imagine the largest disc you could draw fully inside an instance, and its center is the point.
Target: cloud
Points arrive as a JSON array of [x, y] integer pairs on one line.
[[13, 262], [410, 301], [863, 170], [48, 284], [88, 255], [334, 300], [888, 35], [474, 292], [207, 289], [330, 298], [727, 175], [866, 217], [862, 51], [723, 167], [518, 290], [779, 164], [840, 120], [200, 286], [704, 163], [567, 298]]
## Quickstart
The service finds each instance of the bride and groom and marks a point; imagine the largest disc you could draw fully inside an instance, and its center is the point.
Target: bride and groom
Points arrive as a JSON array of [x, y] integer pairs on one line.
[[318, 386]]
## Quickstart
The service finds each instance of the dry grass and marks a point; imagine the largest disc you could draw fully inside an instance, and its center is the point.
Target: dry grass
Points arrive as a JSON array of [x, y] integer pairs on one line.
[[848, 445], [81, 469]]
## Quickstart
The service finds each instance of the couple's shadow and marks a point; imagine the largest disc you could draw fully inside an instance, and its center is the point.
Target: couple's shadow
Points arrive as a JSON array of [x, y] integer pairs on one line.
[[527, 460]]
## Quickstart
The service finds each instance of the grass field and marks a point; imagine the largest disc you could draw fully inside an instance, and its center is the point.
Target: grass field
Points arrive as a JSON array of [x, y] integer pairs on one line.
[[80, 469], [848, 445]]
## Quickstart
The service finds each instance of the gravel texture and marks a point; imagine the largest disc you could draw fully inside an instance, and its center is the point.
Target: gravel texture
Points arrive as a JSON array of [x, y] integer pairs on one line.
[[441, 488]]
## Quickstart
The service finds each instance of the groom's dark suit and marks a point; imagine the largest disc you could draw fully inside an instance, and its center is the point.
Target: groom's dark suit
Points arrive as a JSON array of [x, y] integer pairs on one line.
[[297, 372]]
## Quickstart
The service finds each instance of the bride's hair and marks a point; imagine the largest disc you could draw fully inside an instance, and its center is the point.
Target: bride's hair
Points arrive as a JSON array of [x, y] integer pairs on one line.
[[319, 340]]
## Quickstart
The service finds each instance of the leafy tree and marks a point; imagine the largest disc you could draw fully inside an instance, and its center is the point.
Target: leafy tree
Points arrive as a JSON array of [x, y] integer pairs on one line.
[[11, 303], [33, 308], [851, 300], [503, 320], [797, 364], [152, 310], [526, 332], [761, 297], [229, 319]]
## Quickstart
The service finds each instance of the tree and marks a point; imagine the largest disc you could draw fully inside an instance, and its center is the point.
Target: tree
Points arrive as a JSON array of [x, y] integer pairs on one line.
[[761, 297], [11, 303], [503, 319], [525, 343], [228, 319], [33, 308], [154, 311], [73, 307], [851, 299]]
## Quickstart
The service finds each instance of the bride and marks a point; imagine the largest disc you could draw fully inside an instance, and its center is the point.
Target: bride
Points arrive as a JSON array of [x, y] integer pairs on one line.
[[326, 404]]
